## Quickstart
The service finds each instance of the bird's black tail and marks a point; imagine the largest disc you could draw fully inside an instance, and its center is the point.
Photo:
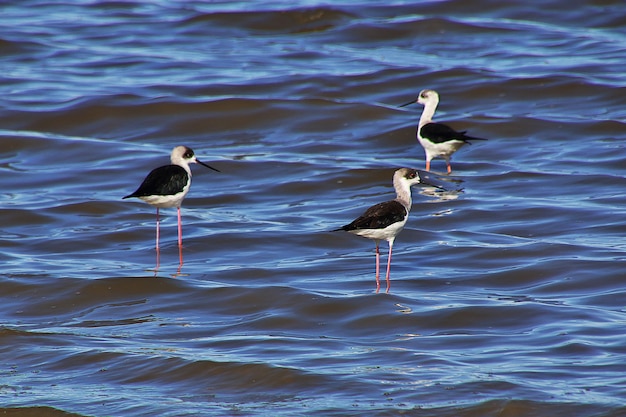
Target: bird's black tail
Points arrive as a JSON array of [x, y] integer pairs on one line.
[[467, 139], [472, 138]]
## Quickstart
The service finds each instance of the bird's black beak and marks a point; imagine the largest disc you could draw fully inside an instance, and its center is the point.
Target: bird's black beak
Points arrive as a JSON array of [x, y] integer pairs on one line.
[[428, 179], [406, 104], [208, 166], [431, 184]]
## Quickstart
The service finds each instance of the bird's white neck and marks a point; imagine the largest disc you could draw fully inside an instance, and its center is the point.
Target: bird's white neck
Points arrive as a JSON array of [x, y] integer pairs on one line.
[[429, 111], [403, 192]]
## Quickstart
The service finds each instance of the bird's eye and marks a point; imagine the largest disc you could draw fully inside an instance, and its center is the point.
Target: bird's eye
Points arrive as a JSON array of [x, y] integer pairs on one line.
[[424, 95], [188, 154]]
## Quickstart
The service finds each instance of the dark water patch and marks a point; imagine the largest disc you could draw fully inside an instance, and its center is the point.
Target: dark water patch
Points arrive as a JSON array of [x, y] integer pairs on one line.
[[295, 21], [36, 412]]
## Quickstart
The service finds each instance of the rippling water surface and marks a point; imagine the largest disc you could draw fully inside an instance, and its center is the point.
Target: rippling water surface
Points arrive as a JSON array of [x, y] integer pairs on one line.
[[507, 295]]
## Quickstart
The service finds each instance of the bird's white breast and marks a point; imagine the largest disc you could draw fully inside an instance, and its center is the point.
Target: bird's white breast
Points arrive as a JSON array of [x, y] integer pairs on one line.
[[386, 233], [166, 201]]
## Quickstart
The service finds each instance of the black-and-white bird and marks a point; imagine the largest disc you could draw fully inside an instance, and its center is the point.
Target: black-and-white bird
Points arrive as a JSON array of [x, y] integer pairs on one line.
[[437, 139], [167, 186], [384, 221]]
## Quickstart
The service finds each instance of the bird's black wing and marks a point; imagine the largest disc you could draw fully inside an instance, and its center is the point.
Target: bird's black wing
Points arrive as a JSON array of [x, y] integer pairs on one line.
[[440, 133], [165, 180], [378, 216]]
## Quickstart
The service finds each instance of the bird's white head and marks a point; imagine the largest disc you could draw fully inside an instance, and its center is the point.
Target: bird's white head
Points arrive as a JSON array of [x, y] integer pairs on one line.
[[430, 100], [408, 176], [403, 179], [183, 156], [428, 97]]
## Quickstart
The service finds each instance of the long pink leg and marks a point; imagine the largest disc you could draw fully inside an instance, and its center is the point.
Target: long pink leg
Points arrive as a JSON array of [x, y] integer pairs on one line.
[[389, 267], [157, 229], [427, 165], [377, 268], [180, 260], [180, 230]]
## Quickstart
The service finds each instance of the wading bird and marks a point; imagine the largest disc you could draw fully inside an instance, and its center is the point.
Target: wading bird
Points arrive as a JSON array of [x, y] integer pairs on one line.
[[167, 186], [437, 139], [384, 221]]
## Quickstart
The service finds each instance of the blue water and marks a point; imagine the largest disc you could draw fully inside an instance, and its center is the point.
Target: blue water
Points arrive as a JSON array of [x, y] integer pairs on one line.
[[507, 294]]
